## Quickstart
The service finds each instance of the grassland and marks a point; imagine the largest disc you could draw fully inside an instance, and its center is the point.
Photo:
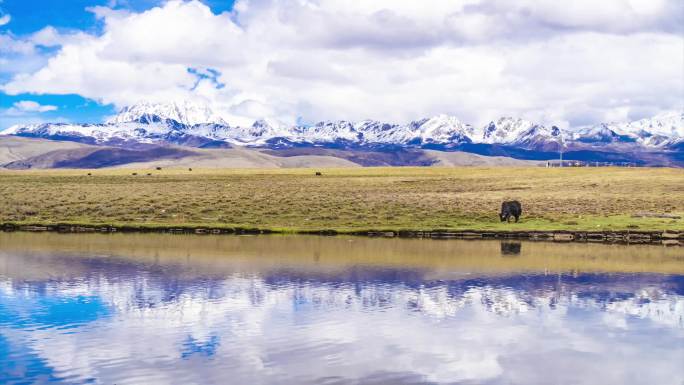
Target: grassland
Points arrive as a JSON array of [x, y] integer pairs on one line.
[[347, 199]]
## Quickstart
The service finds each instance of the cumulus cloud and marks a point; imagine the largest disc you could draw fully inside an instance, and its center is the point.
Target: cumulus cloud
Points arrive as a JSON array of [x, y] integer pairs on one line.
[[26, 54], [51, 37], [24, 107], [566, 64], [4, 17]]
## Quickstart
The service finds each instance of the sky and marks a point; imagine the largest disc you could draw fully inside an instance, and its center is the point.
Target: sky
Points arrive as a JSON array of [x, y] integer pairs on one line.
[[565, 63]]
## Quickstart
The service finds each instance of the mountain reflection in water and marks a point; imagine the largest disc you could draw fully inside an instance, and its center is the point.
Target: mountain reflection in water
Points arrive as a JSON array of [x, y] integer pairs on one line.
[[163, 309]]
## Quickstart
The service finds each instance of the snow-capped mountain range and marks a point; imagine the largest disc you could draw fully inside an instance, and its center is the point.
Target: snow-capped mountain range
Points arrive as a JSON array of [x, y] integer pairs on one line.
[[194, 124], [185, 112]]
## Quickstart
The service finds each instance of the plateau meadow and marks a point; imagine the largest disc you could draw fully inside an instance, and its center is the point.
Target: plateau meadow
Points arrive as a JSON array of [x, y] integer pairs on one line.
[[348, 200]]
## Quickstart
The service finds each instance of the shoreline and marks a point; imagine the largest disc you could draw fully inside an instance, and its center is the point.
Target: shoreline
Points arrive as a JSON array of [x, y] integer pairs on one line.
[[655, 237]]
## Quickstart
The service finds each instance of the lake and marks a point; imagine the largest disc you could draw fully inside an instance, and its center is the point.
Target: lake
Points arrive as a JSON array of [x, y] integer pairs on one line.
[[187, 309]]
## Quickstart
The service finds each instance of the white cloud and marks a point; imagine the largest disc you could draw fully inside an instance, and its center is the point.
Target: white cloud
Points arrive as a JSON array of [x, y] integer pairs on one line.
[[11, 45], [395, 60], [25, 54], [487, 334], [5, 19], [31, 106], [51, 37], [25, 107]]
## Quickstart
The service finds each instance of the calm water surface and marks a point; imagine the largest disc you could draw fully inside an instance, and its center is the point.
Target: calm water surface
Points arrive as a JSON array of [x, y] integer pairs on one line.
[[165, 309]]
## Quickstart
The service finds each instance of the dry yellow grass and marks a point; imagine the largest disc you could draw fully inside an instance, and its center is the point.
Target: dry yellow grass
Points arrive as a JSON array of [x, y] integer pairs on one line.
[[347, 199]]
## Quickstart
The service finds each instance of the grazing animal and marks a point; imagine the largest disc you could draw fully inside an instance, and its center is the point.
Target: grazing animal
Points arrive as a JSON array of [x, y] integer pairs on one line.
[[190, 169], [510, 209], [318, 173], [158, 168]]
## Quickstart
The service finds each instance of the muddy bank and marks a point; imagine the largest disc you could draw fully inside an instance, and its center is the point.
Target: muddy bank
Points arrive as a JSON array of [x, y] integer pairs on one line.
[[668, 237]]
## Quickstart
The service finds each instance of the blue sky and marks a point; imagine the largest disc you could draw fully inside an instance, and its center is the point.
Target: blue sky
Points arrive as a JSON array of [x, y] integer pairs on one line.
[[33, 15], [29, 17], [567, 64]]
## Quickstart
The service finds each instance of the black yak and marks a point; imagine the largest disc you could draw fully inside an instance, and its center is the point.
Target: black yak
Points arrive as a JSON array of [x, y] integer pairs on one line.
[[510, 209]]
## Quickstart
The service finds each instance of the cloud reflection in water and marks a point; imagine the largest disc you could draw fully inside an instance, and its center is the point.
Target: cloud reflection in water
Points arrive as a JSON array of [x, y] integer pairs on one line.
[[119, 320]]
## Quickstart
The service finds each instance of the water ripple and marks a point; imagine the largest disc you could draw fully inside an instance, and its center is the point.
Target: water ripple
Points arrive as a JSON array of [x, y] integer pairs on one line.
[[122, 321]]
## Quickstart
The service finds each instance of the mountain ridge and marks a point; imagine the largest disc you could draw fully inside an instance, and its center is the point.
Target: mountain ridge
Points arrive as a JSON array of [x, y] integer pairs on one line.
[[196, 125]]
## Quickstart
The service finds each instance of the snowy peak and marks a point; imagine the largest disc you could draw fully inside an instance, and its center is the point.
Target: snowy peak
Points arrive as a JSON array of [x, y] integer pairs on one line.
[[185, 112], [189, 122], [600, 134], [506, 130], [657, 131], [540, 138], [670, 124], [441, 128], [328, 132]]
